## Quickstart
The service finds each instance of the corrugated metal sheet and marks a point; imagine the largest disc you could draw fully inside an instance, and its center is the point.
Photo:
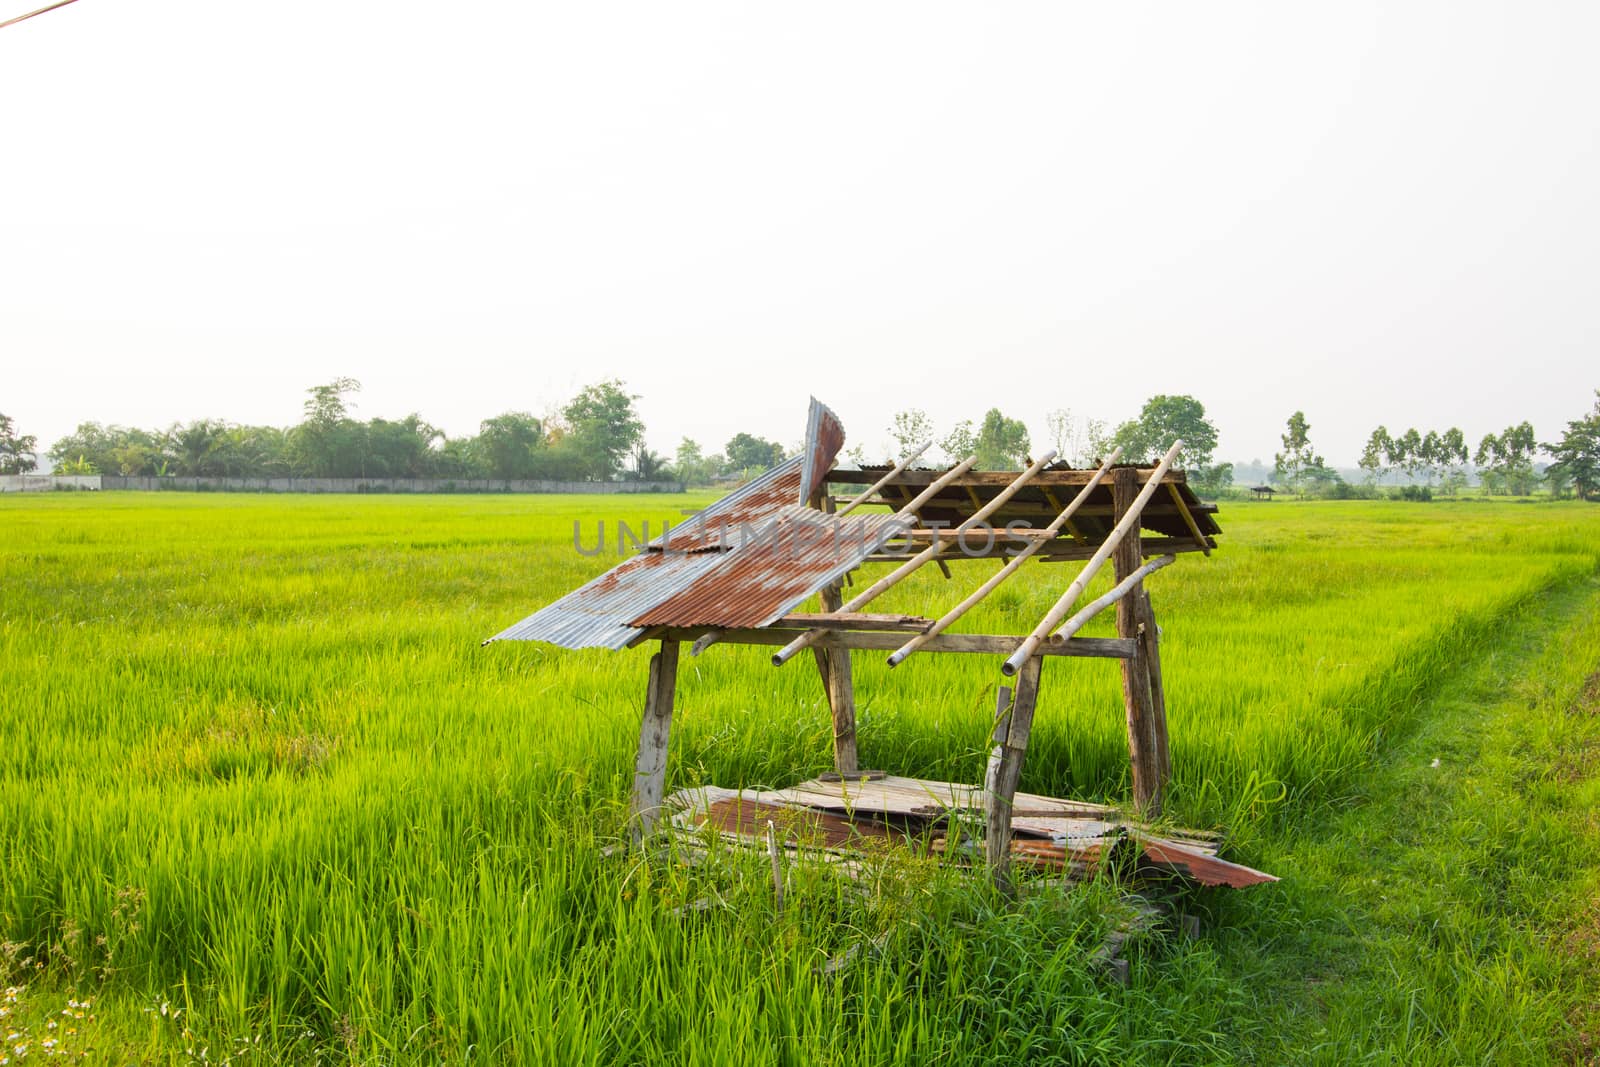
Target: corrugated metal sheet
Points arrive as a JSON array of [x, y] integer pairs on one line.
[[596, 615], [824, 438], [723, 524], [743, 561], [799, 551]]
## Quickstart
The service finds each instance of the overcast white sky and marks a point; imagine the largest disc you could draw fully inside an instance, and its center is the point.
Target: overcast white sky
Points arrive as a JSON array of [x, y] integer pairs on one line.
[[1372, 212]]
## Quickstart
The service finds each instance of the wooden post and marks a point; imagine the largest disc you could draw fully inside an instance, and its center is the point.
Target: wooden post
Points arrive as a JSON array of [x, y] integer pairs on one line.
[[834, 661], [1013, 724], [1151, 640], [1136, 690], [650, 768]]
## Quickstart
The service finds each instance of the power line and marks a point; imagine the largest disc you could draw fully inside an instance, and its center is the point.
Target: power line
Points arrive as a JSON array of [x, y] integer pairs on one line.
[[29, 15]]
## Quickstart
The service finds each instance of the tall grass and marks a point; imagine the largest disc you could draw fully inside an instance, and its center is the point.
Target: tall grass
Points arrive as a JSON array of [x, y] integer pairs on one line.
[[255, 762]]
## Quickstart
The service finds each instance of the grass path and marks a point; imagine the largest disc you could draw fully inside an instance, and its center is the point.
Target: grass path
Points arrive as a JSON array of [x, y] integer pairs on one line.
[[1449, 914]]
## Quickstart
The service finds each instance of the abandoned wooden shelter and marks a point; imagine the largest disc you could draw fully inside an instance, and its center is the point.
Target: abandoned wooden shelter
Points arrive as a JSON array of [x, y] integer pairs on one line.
[[738, 572]]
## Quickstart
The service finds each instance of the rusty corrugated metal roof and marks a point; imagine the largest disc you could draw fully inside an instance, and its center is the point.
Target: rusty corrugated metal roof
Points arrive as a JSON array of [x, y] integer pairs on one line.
[[799, 551], [743, 561], [824, 438], [595, 615], [723, 524]]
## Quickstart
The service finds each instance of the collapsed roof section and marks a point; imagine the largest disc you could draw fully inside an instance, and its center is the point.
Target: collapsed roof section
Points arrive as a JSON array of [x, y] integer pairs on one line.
[[762, 550]]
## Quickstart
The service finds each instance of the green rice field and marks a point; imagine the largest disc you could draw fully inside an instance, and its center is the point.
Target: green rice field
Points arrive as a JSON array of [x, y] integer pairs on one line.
[[264, 797]]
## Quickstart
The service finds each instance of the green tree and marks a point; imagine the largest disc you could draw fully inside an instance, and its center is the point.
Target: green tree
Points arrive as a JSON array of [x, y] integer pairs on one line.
[[1505, 460], [1452, 459], [691, 465], [1408, 449], [647, 466], [256, 451], [1298, 463], [403, 448], [1577, 454], [329, 443], [602, 428], [911, 430], [198, 449], [1165, 419], [77, 465], [1076, 440], [18, 453], [101, 446], [960, 442], [1374, 455], [508, 444], [1002, 443], [746, 452]]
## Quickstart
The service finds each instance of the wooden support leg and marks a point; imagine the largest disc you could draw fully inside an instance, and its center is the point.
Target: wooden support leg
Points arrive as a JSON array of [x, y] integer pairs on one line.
[[1136, 688], [834, 663], [1013, 724], [650, 768], [1151, 639]]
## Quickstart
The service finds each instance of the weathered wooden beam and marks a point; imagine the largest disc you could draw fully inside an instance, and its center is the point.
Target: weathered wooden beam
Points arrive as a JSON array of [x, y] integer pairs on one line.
[[914, 478], [1188, 518], [650, 766], [1136, 695], [1151, 638], [841, 692], [981, 644], [1013, 725]]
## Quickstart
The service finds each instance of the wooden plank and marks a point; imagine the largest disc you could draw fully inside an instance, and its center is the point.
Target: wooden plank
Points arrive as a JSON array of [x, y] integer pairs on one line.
[[650, 766], [1136, 695], [981, 644]]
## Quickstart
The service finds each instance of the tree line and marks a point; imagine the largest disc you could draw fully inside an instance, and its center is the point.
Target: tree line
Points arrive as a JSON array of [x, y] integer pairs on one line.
[[599, 436]]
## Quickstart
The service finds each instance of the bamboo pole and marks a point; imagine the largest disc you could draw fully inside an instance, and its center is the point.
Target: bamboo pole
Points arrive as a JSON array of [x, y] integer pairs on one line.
[[1130, 520], [885, 480], [1120, 590], [937, 548], [914, 505], [1009, 569]]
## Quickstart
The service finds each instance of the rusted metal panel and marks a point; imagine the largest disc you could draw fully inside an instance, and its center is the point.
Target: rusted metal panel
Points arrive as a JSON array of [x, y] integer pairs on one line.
[[595, 615], [742, 512], [752, 555], [797, 551], [1202, 867], [824, 439]]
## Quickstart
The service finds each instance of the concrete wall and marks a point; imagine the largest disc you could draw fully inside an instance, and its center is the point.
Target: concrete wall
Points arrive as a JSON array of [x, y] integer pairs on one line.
[[377, 485], [35, 483]]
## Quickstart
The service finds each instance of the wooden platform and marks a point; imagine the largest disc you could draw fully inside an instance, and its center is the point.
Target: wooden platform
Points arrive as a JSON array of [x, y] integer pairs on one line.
[[850, 821]]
